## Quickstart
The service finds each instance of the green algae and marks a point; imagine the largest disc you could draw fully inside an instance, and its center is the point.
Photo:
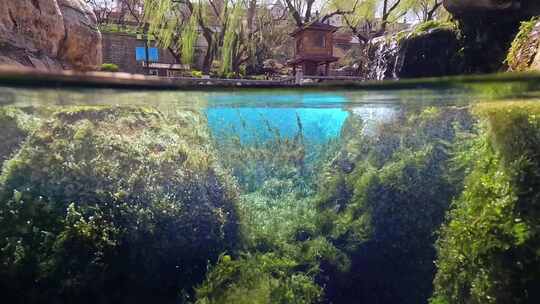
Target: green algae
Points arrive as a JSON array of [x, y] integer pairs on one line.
[[140, 203], [488, 249], [383, 214], [120, 204]]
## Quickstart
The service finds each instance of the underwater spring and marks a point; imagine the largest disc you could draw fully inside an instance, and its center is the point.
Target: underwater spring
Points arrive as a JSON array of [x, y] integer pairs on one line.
[[427, 195]]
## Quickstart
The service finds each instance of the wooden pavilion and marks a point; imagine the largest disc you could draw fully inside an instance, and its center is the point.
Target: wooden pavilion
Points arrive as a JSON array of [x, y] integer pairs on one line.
[[314, 48]]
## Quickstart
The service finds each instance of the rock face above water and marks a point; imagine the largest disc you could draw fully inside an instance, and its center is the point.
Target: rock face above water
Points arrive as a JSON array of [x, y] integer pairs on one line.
[[429, 53], [525, 52], [464, 7], [487, 28], [49, 34]]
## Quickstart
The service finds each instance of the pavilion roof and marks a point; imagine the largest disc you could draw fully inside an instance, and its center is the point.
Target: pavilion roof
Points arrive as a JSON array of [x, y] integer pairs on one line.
[[316, 26]]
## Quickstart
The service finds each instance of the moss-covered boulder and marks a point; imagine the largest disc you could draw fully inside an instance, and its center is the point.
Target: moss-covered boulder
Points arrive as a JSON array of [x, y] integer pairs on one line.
[[113, 205], [382, 201], [489, 249], [15, 126], [524, 54]]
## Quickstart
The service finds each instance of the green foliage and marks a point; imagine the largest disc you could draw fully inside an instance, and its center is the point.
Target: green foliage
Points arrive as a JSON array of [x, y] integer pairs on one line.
[[197, 74], [189, 36], [426, 27], [231, 39], [521, 54], [109, 67], [168, 23], [115, 205], [488, 249]]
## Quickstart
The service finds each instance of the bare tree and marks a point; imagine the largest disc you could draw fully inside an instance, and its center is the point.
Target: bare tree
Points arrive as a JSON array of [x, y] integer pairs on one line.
[[302, 11], [116, 11], [427, 10]]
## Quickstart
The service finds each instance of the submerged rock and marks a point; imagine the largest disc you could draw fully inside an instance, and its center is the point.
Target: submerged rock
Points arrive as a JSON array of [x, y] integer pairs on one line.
[[49, 34], [126, 204], [488, 248], [383, 215]]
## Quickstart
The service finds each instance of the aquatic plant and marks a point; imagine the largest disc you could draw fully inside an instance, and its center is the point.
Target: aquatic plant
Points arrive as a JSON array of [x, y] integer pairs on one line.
[[114, 205], [488, 249], [16, 126], [263, 156], [258, 279], [381, 202]]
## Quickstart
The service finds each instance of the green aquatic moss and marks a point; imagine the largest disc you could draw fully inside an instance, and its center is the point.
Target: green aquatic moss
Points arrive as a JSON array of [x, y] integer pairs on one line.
[[382, 201], [16, 126], [114, 204], [281, 255], [258, 279], [488, 249]]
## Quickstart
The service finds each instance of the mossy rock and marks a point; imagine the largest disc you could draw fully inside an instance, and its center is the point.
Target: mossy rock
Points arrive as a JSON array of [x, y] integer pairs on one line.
[[382, 209], [489, 250], [15, 126], [523, 54], [115, 205]]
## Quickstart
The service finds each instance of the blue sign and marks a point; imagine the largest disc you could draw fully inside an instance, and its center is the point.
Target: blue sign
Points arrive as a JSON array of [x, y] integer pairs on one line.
[[140, 54]]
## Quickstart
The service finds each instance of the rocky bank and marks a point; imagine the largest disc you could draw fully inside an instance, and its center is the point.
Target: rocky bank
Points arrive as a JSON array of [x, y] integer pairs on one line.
[[484, 36], [49, 34]]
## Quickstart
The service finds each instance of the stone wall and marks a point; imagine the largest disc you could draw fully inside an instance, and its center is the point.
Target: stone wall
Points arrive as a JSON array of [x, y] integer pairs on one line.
[[49, 34], [119, 48]]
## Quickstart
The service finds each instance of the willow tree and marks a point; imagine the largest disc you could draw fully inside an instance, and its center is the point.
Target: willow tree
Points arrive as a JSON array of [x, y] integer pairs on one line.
[[189, 37], [171, 20], [234, 30], [166, 20], [231, 40]]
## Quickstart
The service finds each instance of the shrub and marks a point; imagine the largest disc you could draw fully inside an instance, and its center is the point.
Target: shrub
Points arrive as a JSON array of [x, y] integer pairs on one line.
[[196, 74], [16, 126], [109, 67]]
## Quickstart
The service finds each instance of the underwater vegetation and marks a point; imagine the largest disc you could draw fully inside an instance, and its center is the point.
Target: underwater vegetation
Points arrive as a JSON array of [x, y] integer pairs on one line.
[[16, 125], [489, 249], [381, 201], [134, 204], [113, 205]]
